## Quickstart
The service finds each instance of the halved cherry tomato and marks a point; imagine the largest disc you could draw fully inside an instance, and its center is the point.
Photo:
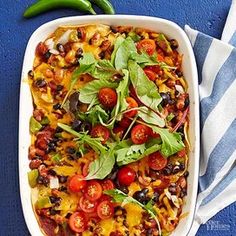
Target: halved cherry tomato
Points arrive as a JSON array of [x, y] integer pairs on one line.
[[140, 133], [104, 197], [147, 45], [78, 222], [155, 68], [87, 205], [126, 175], [105, 210], [93, 190], [153, 134], [181, 153], [125, 122], [107, 184], [107, 97], [119, 131], [150, 74], [85, 169], [76, 183], [156, 161], [100, 131], [131, 104]]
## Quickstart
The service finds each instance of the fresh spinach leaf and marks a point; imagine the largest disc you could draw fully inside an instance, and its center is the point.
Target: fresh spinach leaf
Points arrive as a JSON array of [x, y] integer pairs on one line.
[[120, 197], [97, 114], [102, 166], [151, 117], [126, 48], [145, 89], [117, 44]]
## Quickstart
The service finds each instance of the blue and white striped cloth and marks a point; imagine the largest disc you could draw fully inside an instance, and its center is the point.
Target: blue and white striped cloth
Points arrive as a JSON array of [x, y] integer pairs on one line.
[[216, 61]]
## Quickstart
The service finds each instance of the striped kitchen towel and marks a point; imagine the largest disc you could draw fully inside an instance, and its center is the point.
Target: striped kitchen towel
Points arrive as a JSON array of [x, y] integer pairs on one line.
[[216, 61]]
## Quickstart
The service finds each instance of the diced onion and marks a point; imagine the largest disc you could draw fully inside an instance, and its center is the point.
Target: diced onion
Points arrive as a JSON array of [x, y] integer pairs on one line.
[[54, 182], [65, 37], [49, 43], [54, 51], [179, 88]]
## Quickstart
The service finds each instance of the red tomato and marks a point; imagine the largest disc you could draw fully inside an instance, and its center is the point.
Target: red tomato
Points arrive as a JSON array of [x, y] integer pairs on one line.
[[76, 183], [104, 197], [140, 133], [154, 135], [107, 97], [125, 122], [105, 210], [93, 190], [147, 45], [156, 161], [126, 176], [131, 104], [181, 153], [150, 74], [107, 184], [156, 69], [119, 131], [87, 205], [100, 131], [78, 222]]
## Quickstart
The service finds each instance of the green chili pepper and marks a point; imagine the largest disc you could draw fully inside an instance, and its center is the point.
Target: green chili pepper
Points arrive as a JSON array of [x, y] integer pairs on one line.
[[105, 5], [35, 126], [43, 202], [45, 120], [32, 178], [46, 5], [56, 158]]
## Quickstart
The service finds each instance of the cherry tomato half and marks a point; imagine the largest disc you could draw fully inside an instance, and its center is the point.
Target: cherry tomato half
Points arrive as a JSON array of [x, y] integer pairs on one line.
[[147, 45], [76, 183], [87, 205], [107, 184], [140, 133], [126, 175], [78, 222], [93, 190], [131, 104], [105, 210], [156, 161], [107, 97], [125, 122], [100, 131], [150, 74]]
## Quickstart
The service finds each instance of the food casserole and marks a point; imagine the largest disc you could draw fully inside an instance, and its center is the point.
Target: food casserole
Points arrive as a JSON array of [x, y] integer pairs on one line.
[[158, 25]]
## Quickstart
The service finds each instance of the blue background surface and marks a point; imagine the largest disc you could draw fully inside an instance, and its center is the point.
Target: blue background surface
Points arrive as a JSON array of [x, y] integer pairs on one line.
[[207, 16]]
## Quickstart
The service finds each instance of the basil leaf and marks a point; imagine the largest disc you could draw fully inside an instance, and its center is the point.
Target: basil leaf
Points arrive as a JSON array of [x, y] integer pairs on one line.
[[94, 143], [146, 90], [151, 117], [88, 94], [102, 166], [123, 53], [171, 141]]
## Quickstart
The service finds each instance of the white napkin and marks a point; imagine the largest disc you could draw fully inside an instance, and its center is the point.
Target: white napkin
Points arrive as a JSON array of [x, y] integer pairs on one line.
[[216, 61]]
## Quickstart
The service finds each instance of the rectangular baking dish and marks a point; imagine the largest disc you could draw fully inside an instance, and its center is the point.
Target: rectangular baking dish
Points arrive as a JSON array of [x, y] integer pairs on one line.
[[169, 28]]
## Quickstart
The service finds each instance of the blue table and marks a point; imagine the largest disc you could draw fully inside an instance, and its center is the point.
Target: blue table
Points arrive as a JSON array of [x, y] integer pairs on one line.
[[206, 15]]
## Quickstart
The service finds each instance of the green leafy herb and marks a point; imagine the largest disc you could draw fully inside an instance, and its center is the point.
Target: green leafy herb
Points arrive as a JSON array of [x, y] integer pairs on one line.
[[94, 143], [145, 89], [126, 48], [97, 114], [117, 44], [135, 37], [120, 197], [127, 153], [163, 43], [35, 126], [151, 117], [170, 117], [171, 141], [88, 94], [102, 166]]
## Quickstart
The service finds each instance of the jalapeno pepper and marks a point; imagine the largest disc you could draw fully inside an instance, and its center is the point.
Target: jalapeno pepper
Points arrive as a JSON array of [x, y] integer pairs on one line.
[[105, 5], [46, 5], [35, 126]]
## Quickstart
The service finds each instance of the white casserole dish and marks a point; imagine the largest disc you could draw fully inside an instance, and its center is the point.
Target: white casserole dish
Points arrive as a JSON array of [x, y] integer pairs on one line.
[[189, 67]]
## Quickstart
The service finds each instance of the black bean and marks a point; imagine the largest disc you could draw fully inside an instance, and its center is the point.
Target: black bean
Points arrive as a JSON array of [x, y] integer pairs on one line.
[[31, 74], [165, 98], [179, 73], [102, 55], [62, 179], [51, 147], [123, 189], [145, 190], [183, 192], [40, 83], [156, 196], [141, 197], [57, 106], [168, 169], [85, 126], [60, 47], [174, 44], [70, 150], [40, 179], [114, 29], [186, 102], [181, 129], [176, 169], [58, 129], [52, 172], [68, 215], [53, 212], [79, 33], [76, 125], [54, 199], [79, 53], [59, 87], [47, 55], [182, 166], [172, 189], [78, 155], [45, 181], [71, 158], [186, 174], [62, 189]]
